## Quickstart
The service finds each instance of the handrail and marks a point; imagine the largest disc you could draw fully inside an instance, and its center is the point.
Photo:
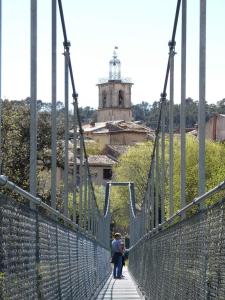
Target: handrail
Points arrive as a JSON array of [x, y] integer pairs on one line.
[[130, 185], [132, 200], [195, 201], [4, 182], [120, 183], [180, 212], [107, 203]]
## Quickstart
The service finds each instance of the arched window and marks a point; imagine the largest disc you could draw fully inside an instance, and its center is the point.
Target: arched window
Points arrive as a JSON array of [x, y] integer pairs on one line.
[[104, 98], [121, 98]]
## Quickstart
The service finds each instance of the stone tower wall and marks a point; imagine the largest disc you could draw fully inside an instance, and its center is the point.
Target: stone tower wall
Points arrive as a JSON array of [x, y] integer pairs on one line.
[[113, 114], [114, 101]]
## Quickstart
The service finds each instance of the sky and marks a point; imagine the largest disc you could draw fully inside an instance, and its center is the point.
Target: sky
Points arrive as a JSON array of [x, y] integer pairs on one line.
[[140, 29]]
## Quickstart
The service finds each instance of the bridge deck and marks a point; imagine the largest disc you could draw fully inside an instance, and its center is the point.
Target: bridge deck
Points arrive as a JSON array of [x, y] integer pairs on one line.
[[120, 289]]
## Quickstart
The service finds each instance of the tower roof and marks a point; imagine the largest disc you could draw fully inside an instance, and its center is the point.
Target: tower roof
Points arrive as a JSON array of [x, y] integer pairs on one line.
[[115, 71], [114, 67], [114, 61]]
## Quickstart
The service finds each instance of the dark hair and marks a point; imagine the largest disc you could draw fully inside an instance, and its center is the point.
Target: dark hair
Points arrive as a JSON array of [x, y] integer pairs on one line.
[[117, 235]]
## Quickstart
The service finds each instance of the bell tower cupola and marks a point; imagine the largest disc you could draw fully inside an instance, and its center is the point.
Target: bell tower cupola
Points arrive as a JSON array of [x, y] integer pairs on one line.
[[114, 67], [114, 94]]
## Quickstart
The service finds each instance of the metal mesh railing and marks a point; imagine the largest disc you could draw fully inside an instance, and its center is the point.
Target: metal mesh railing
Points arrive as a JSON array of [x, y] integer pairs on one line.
[[43, 259], [184, 261], [60, 250], [174, 256]]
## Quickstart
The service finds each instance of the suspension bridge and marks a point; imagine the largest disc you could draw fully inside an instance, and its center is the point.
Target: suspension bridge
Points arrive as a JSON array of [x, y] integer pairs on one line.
[[48, 253]]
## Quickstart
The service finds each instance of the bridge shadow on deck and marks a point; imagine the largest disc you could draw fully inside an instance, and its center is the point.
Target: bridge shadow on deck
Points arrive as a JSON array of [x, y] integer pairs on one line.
[[120, 289]]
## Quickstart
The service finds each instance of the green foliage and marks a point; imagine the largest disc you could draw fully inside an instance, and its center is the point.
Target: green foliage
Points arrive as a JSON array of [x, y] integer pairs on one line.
[[132, 166], [119, 204], [149, 113], [2, 280], [93, 148], [100, 197], [87, 114], [100, 200], [141, 111], [221, 106], [16, 141], [214, 166]]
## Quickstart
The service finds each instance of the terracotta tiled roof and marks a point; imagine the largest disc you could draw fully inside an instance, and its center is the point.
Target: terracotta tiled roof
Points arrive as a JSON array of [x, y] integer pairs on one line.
[[115, 151], [119, 148], [100, 160], [116, 126]]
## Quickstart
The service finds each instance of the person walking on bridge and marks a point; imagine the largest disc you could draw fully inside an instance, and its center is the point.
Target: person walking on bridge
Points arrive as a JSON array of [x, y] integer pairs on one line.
[[117, 253]]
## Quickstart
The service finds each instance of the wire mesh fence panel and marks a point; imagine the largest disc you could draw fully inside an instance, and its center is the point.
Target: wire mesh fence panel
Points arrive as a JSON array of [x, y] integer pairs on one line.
[[184, 261], [102, 263], [81, 270], [74, 264], [48, 267], [17, 251], [91, 266], [43, 259], [63, 262]]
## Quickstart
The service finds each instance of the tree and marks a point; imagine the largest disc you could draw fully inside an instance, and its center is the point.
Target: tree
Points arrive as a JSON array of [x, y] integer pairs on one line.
[[87, 114], [93, 148], [16, 139], [132, 166], [154, 115], [149, 114], [99, 191], [141, 111], [214, 166], [16, 142]]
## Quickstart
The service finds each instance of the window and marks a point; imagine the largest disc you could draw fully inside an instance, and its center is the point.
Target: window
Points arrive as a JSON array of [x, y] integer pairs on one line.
[[104, 98], [121, 98], [107, 174]]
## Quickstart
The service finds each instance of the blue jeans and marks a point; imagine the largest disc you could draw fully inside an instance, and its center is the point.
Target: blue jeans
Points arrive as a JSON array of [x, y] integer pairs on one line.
[[117, 267]]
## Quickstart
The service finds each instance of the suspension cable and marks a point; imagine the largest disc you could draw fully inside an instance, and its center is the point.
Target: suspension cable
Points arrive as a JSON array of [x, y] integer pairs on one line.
[[171, 45], [66, 45]]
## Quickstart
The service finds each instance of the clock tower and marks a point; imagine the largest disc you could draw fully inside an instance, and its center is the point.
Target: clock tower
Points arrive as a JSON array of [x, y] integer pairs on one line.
[[114, 94]]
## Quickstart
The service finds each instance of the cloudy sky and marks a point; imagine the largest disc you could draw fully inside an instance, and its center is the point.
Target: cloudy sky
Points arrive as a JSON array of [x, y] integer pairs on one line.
[[141, 30]]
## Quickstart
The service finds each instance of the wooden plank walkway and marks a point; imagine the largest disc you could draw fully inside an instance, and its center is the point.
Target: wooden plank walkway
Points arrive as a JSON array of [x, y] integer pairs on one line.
[[120, 289]]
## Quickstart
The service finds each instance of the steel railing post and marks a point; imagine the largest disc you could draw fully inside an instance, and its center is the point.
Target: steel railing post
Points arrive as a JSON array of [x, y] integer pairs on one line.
[[81, 182], [33, 98], [53, 112], [66, 119], [163, 101], [202, 86], [171, 126], [74, 161], [183, 106]]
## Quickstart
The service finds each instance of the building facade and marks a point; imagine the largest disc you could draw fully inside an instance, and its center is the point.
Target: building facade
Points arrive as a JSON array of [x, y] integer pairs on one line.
[[114, 126], [114, 94], [118, 133], [215, 128]]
